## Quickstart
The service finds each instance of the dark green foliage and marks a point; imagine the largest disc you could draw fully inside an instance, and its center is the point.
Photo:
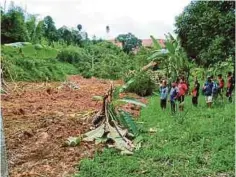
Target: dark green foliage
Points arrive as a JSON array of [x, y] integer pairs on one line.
[[13, 27], [142, 85], [49, 29], [69, 36], [129, 42], [207, 31]]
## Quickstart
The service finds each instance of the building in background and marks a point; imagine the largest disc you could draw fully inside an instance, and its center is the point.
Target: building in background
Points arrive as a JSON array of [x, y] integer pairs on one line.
[[145, 42]]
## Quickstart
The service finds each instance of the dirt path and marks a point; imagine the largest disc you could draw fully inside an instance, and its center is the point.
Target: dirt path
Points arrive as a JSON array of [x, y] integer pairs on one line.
[[38, 118]]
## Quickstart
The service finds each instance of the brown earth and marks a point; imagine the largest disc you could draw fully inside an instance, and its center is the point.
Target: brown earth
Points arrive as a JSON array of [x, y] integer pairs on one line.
[[39, 117]]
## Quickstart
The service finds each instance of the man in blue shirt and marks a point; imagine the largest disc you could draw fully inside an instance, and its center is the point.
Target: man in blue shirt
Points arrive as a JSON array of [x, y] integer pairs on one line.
[[207, 89], [164, 93]]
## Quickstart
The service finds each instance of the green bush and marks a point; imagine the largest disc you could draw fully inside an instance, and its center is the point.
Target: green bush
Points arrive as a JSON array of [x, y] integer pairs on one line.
[[102, 60], [143, 85], [72, 55], [31, 68]]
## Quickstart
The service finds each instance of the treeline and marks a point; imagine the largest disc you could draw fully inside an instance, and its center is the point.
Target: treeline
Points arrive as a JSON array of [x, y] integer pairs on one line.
[[19, 26], [207, 31]]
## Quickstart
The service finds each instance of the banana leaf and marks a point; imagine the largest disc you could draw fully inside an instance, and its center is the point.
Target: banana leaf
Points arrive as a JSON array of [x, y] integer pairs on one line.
[[155, 43], [158, 54], [133, 101], [125, 86]]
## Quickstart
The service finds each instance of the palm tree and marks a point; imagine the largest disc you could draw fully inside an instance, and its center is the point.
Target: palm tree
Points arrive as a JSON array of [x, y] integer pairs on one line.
[[107, 31], [79, 27]]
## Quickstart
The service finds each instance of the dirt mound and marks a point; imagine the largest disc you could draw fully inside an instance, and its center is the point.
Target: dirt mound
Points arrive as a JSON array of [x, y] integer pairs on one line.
[[39, 117]]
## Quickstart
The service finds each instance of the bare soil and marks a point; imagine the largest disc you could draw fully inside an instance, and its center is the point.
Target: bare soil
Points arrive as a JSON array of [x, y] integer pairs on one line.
[[39, 117]]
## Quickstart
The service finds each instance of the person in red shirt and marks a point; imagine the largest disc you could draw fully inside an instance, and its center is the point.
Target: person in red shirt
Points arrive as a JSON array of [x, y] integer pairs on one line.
[[221, 85], [182, 89], [230, 86], [195, 93]]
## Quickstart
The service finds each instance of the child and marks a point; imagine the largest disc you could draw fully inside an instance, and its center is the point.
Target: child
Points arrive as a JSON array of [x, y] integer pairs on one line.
[[221, 85], [207, 89], [195, 93], [164, 93], [173, 96]]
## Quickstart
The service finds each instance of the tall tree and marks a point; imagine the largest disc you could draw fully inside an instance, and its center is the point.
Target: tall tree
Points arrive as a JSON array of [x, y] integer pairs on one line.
[[13, 27], [50, 31], [31, 26], [129, 42], [207, 31]]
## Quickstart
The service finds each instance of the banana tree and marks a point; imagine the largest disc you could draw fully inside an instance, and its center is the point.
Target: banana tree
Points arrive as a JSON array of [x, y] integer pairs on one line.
[[114, 127], [173, 58]]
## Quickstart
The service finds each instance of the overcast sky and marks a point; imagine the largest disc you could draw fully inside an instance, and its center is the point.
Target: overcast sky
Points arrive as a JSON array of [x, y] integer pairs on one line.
[[140, 17]]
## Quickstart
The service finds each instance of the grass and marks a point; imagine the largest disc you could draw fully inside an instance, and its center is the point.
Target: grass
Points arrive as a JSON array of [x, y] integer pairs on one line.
[[30, 51], [34, 64], [198, 142]]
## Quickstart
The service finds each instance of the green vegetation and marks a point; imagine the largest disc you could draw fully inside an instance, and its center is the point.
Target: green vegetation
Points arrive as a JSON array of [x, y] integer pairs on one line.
[[142, 85], [129, 42], [195, 143], [207, 31], [198, 142], [31, 64], [174, 61]]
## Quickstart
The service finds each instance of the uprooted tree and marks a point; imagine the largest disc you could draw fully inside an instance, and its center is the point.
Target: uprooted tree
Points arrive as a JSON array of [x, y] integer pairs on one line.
[[114, 127]]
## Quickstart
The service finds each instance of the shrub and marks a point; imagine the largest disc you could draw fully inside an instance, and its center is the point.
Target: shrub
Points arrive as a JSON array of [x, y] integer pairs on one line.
[[143, 85], [31, 68], [72, 55]]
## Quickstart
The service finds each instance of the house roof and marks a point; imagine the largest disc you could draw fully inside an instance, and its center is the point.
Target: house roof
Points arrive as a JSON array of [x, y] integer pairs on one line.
[[145, 42], [115, 42], [148, 42]]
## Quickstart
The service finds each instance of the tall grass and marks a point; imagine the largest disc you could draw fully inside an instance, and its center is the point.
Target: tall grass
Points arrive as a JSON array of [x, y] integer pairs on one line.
[[197, 142]]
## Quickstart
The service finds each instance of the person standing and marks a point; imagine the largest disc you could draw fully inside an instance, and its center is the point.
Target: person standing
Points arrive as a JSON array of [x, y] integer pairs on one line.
[[164, 93], [173, 96], [182, 90], [221, 85], [207, 89], [215, 89], [195, 92], [230, 86]]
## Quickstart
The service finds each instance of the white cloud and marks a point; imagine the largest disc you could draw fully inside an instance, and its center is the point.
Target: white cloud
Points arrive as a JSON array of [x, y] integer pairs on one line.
[[140, 17]]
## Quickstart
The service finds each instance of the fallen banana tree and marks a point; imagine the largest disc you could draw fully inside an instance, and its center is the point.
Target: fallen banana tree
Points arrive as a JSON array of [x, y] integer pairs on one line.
[[114, 127]]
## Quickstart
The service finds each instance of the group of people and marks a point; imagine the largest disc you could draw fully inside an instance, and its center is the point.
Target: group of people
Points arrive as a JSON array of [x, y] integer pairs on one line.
[[180, 88]]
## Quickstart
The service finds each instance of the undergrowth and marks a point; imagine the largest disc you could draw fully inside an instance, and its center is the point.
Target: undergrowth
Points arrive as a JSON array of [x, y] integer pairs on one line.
[[31, 64], [197, 142]]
